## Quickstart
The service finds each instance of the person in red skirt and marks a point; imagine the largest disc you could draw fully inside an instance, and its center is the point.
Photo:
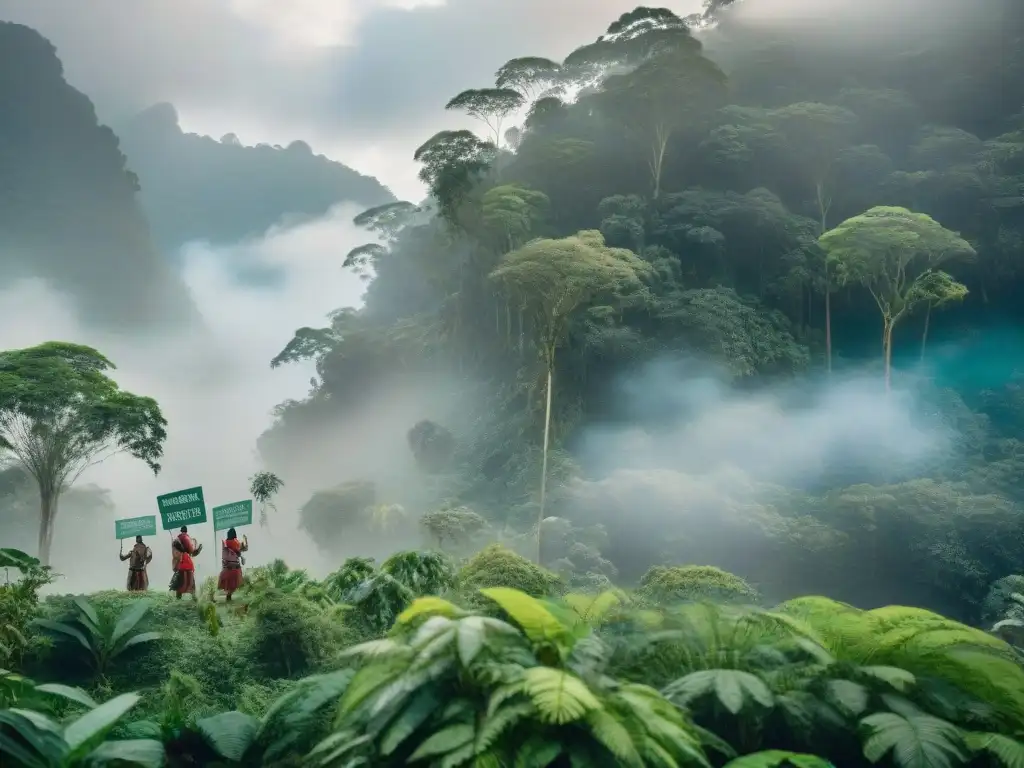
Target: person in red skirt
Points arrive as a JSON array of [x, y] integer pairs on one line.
[[231, 563], [139, 557], [182, 550]]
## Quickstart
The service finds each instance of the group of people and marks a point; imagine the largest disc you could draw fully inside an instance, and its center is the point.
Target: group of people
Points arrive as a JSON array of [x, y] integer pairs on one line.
[[183, 549]]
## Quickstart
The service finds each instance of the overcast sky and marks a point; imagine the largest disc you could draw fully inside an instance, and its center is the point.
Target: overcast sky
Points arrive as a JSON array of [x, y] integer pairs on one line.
[[363, 81]]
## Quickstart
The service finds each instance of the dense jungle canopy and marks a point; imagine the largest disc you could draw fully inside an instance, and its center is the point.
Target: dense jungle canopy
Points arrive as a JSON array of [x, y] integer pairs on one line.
[[720, 155], [699, 378]]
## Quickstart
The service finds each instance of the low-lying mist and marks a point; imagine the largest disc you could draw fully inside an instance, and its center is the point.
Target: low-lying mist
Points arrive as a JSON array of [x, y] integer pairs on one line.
[[214, 384], [693, 470]]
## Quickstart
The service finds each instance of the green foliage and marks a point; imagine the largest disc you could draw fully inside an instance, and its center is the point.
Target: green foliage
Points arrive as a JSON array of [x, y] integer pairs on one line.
[[60, 412], [425, 573], [573, 676], [895, 254], [665, 585], [497, 566], [264, 486], [481, 691], [19, 604], [31, 738], [456, 526], [353, 572], [102, 640], [291, 636]]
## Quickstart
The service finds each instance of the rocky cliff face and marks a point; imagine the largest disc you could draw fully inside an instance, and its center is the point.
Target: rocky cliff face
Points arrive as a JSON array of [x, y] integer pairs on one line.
[[68, 208]]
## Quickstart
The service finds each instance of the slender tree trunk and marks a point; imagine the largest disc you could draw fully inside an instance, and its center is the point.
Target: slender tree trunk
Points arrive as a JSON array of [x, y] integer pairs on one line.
[[544, 454], [828, 322], [924, 334], [47, 514], [887, 351], [661, 137], [823, 207]]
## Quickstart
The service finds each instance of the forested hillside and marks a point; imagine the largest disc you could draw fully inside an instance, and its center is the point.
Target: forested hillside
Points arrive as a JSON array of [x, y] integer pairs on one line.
[[68, 211], [680, 428], [197, 188], [797, 208]]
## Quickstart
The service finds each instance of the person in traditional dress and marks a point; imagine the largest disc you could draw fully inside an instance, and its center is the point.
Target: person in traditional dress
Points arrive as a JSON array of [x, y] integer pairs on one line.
[[231, 563], [138, 558], [182, 551]]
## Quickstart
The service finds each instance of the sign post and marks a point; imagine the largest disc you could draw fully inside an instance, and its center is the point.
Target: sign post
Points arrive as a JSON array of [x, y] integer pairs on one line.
[[131, 527], [180, 508], [232, 515]]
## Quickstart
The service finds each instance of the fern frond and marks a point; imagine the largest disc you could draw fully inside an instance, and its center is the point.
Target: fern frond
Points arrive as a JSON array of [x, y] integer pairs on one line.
[[1008, 752], [733, 688], [915, 741], [559, 697]]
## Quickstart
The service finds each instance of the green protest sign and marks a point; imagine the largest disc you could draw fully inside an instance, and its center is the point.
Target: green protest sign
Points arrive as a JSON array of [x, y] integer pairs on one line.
[[131, 527], [180, 508], [232, 515]]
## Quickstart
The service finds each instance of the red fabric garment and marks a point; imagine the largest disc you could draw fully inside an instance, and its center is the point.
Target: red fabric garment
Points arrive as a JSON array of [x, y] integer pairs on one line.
[[231, 574], [186, 564], [230, 580], [187, 585]]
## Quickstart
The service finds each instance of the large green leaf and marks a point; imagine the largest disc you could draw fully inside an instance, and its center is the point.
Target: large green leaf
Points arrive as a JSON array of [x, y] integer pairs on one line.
[[329, 751], [732, 687], [33, 740], [91, 727], [536, 621], [128, 620], [15, 558], [615, 737], [139, 639], [89, 618], [848, 696], [444, 741], [776, 758], [144, 753], [292, 715], [898, 678], [412, 715], [65, 629], [915, 741], [229, 734], [67, 692]]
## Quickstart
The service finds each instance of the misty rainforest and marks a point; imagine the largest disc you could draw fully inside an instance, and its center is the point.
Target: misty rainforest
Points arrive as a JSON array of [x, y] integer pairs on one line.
[[677, 420]]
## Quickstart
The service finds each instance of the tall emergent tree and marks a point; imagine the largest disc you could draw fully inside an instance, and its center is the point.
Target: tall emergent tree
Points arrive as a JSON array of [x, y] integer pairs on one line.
[[489, 105], [60, 414], [815, 135], [554, 278], [895, 254], [661, 98]]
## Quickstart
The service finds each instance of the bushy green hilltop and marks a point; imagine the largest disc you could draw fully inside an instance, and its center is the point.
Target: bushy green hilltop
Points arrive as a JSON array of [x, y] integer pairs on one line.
[[494, 663]]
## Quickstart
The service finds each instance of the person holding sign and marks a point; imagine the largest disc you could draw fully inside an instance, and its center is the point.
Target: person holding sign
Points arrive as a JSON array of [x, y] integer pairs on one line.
[[182, 550], [138, 558], [231, 563]]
